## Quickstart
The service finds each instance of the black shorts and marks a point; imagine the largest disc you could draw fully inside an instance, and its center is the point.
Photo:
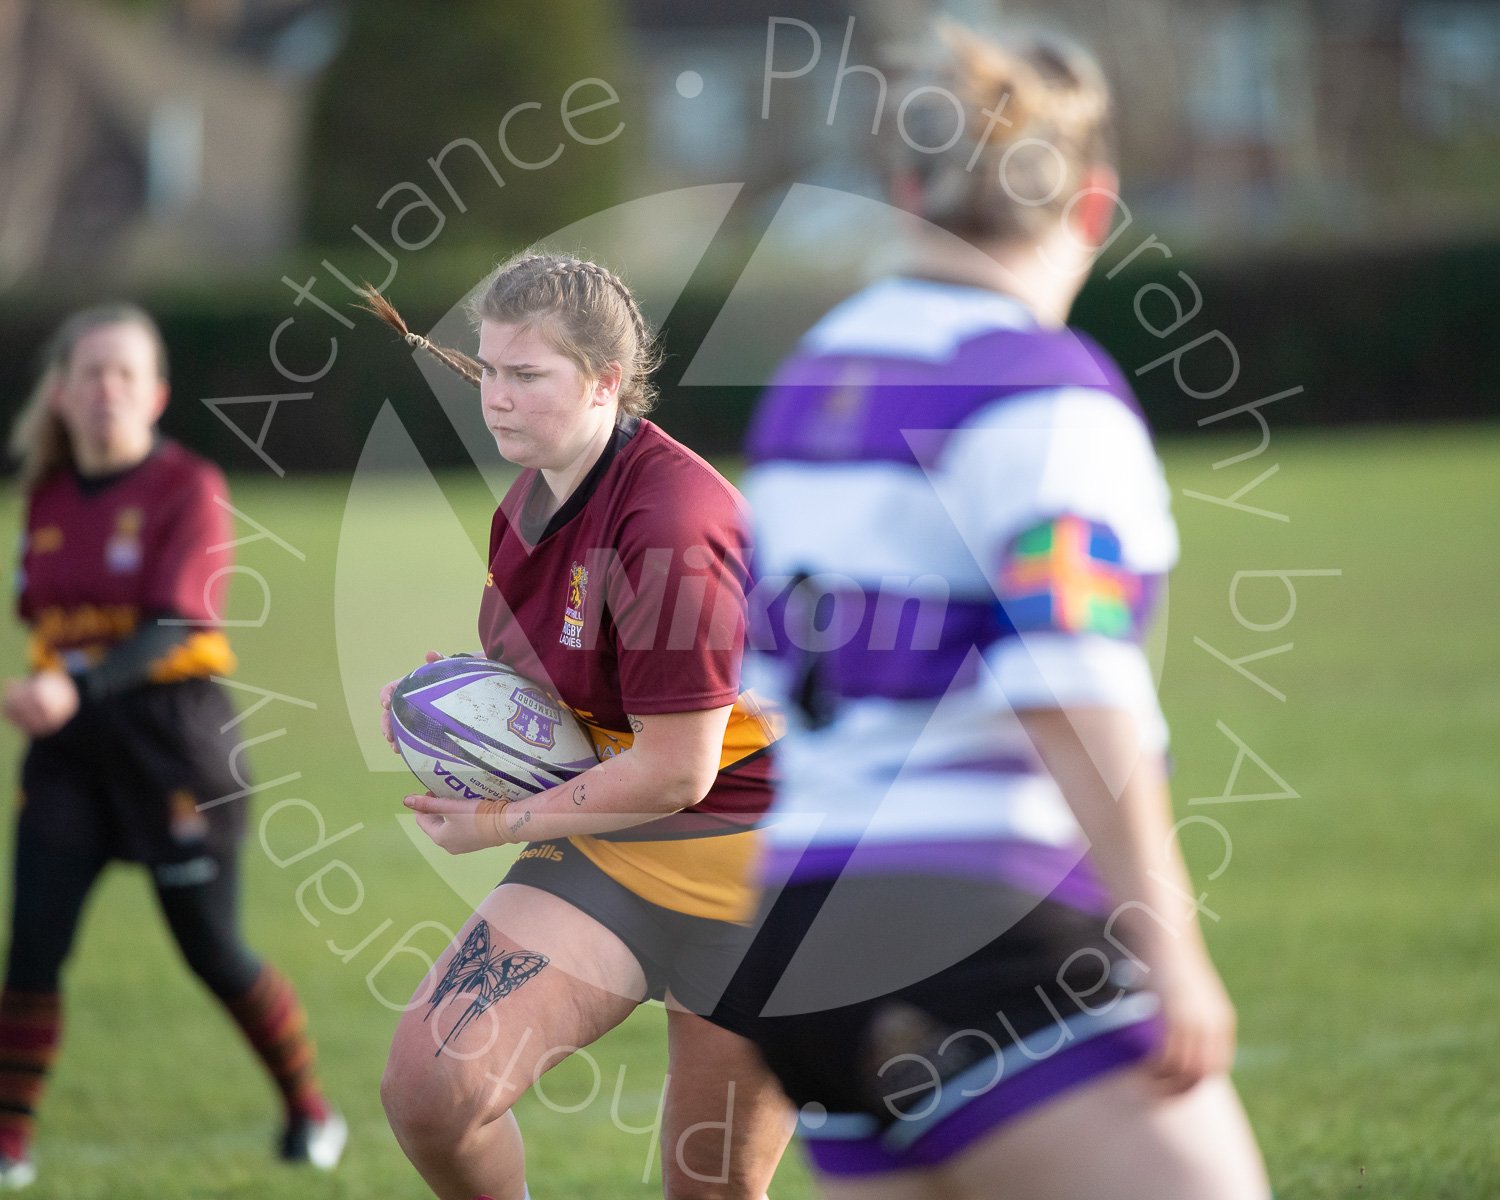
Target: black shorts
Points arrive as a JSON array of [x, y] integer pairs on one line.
[[135, 777], [904, 1031], [694, 958]]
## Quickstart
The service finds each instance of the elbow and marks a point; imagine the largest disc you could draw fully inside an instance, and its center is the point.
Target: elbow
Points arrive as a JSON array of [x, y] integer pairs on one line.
[[687, 785]]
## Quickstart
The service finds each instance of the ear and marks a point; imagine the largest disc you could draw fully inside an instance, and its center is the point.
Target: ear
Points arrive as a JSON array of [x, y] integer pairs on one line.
[[607, 384], [1094, 211], [163, 394]]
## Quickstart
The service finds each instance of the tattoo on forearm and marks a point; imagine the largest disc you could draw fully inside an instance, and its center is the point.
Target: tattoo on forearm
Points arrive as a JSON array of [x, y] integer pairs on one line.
[[580, 794], [520, 823], [490, 975], [636, 724]]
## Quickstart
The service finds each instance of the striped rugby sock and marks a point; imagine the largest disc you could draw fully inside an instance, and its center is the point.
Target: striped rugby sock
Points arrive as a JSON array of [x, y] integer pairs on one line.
[[30, 1027], [275, 1024]]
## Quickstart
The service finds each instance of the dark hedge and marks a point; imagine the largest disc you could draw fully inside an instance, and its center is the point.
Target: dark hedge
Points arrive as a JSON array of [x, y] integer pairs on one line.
[[1400, 336]]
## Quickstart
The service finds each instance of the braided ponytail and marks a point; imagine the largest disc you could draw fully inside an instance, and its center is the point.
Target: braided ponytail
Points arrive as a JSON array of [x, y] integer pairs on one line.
[[455, 360]]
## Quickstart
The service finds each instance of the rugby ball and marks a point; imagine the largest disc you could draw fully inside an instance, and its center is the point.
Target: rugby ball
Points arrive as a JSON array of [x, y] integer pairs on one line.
[[474, 728]]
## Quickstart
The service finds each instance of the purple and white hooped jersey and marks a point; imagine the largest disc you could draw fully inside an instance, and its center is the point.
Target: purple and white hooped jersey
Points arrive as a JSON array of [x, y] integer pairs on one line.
[[958, 514]]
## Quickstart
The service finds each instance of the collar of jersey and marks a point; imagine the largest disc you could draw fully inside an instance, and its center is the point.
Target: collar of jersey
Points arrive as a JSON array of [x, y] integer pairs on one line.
[[93, 485], [625, 429]]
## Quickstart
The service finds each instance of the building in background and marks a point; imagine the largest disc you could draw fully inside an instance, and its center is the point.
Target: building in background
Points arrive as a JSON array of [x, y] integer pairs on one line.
[[164, 144], [1243, 122], [131, 146]]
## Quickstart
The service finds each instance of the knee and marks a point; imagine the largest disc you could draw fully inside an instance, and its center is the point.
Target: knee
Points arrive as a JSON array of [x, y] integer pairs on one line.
[[36, 957], [33, 969], [213, 948], [419, 1108], [733, 1159], [433, 1103], [228, 970]]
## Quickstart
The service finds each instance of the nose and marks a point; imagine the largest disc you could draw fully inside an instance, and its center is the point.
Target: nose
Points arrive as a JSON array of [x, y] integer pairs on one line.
[[113, 385], [494, 396]]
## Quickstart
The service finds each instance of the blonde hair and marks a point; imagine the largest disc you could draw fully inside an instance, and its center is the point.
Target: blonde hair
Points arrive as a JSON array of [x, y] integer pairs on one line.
[[1037, 117], [39, 439], [584, 310]]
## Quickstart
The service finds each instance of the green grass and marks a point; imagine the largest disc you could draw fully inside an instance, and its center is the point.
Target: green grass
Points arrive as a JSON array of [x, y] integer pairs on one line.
[[1358, 922]]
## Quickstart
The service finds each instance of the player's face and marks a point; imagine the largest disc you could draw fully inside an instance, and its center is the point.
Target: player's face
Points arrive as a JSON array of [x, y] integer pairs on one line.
[[542, 410], [111, 393]]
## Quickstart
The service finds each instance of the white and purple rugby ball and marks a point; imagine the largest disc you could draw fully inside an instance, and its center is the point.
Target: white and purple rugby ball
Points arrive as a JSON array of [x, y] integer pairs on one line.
[[474, 728]]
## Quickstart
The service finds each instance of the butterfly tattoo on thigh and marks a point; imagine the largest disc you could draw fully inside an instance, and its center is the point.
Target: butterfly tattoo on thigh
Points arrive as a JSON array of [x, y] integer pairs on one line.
[[489, 975]]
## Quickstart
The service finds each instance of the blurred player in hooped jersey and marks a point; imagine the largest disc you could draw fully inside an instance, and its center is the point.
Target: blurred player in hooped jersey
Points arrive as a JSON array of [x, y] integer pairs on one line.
[[982, 971], [126, 550]]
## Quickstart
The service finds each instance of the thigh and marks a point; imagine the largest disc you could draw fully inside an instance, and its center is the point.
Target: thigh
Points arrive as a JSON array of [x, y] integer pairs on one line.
[[527, 981], [178, 785], [726, 1120], [1119, 1136], [200, 901], [49, 887], [63, 803]]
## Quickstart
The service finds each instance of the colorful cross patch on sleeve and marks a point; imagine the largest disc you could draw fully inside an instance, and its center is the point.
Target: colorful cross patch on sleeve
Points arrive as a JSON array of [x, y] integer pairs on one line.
[[1066, 575]]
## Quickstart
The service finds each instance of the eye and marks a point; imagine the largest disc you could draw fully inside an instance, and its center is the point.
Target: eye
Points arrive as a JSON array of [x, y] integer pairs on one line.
[[526, 376]]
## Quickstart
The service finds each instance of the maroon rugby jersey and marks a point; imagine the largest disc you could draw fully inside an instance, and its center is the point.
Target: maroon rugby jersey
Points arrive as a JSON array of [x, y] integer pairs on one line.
[[631, 599], [101, 556]]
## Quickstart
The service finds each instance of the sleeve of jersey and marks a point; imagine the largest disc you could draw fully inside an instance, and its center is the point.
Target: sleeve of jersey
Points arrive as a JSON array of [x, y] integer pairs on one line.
[[187, 566], [677, 598], [23, 607], [1073, 527], [26, 607]]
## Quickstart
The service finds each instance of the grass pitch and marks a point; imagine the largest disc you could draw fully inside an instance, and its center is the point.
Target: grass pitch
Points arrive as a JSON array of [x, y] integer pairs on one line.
[[1357, 919]]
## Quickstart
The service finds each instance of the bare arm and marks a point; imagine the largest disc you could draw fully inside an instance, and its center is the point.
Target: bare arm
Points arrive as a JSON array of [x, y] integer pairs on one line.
[[1119, 796], [671, 765]]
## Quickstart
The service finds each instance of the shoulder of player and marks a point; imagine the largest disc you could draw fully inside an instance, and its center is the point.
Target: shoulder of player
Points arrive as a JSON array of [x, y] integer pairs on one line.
[[1063, 444], [659, 468], [47, 492], [1079, 451], [1112, 378], [1062, 410], [669, 495], [171, 477], [175, 467]]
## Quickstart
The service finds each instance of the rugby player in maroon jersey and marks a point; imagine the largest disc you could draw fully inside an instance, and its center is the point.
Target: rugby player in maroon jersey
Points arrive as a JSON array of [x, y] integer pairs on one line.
[[123, 566], [617, 579]]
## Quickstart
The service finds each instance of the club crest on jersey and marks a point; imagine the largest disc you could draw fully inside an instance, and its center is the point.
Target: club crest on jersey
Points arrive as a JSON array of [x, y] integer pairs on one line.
[[123, 551], [534, 719], [578, 590]]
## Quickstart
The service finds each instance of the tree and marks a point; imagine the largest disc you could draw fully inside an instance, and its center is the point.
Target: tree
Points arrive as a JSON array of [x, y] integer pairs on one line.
[[411, 78]]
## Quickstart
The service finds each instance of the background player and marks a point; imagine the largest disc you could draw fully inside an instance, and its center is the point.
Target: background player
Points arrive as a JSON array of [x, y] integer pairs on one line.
[[617, 563], [122, 583], [972, 1007]]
